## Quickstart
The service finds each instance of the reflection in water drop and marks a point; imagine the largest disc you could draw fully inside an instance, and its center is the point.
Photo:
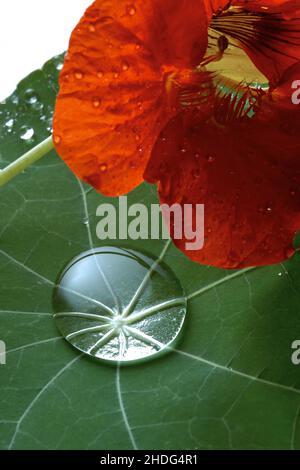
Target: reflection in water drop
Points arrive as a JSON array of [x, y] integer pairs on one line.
[[119, 305]]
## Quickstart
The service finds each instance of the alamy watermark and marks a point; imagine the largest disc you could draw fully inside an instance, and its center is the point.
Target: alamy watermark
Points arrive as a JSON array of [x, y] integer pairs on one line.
[[140, 222], [296, 353], [2, 353], [296, 93]]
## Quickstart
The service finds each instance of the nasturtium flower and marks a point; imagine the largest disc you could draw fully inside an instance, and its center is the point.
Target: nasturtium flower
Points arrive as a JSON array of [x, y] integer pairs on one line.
[[195, 96]]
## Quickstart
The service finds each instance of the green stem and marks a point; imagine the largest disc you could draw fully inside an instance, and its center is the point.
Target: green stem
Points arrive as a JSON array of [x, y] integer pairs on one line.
[[25, 161]]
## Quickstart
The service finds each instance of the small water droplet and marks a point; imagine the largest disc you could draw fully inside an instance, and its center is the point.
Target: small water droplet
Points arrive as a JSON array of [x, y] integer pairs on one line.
[[103, 168], [15, 100], [27, 133], [78, 75], [50, 125], [96, 102], [132, 165], [210, 158], [125, 66], [31, 97], [9, 123], [100, 74], [108, 306], [91, 28], [57, 139], [266, 209], [131, 10]]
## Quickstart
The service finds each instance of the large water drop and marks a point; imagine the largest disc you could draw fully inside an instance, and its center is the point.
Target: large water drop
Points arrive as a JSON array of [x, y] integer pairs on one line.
[[119, 305]]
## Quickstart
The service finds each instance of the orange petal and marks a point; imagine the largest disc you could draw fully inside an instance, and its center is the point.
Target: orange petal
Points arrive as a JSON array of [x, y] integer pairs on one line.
[[113, 99]]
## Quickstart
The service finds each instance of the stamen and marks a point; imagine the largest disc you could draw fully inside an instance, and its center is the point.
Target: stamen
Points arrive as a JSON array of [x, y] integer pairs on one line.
[[190, 88], [223, 44], [236, 102]]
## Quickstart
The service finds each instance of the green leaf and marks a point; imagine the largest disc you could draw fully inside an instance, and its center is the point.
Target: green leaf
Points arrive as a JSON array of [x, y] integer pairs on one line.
[[230, 383]]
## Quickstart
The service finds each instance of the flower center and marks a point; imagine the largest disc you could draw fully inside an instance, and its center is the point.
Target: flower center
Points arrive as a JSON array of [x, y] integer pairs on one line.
[[230, 34], [247, 54]]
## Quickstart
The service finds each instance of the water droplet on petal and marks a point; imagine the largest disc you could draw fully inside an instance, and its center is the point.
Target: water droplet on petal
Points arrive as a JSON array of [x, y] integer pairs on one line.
[[103, 168], [125, 66], [78, 75], [96, 103], [57, 139], [131, 10]]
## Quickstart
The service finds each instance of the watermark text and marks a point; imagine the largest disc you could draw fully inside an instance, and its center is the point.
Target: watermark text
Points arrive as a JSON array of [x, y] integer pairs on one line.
[[2, 353], [140, 222], [296, 353], [296, 93]]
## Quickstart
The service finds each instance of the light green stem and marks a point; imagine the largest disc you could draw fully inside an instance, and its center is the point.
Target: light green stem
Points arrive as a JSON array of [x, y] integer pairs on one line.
[[16, 167]]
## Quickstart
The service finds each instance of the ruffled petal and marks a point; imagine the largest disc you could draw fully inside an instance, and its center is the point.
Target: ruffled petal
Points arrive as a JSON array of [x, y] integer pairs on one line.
[[247, 174], [116, 87]]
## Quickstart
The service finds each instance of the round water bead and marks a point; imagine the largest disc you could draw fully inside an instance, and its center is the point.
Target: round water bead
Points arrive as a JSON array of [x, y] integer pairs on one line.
[[119, 305]]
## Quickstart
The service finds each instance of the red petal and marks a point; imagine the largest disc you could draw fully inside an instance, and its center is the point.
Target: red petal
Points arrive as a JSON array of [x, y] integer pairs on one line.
[[113, 101], [214, 6], [246, 174]]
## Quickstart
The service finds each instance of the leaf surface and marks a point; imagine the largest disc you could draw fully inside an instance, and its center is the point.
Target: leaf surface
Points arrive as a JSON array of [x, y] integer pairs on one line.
[[230, 383]]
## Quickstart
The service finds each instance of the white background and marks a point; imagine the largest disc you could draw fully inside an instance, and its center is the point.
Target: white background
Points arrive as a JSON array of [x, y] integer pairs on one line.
[[31, 32]]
